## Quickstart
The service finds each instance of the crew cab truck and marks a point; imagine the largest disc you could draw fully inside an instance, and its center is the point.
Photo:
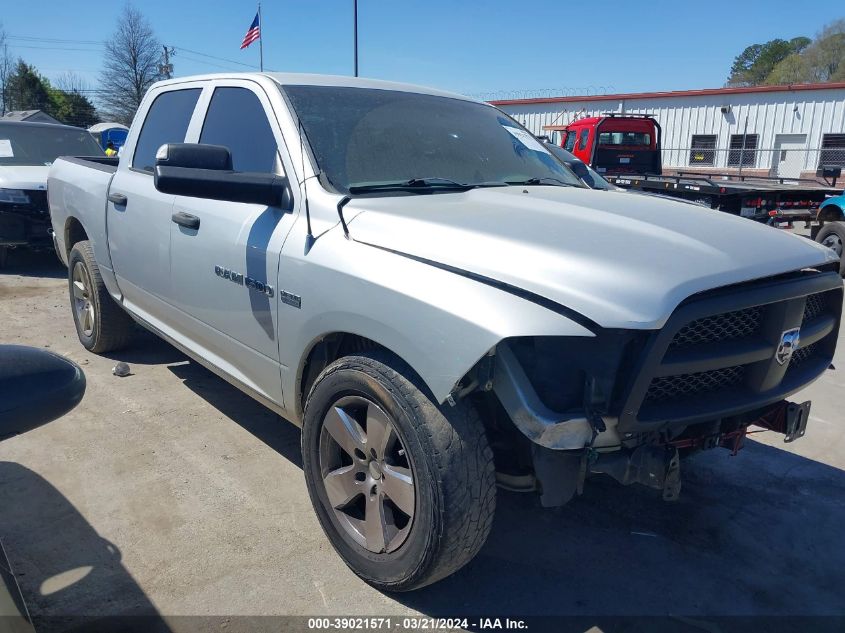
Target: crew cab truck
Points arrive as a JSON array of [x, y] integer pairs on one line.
[[626, 150], [440, 306]]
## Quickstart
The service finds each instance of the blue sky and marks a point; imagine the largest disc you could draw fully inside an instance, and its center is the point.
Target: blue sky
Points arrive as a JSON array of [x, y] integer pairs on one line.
[[463, 45]]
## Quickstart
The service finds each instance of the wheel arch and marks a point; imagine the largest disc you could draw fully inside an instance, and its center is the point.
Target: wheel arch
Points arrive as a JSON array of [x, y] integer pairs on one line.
[[74, 232], [831, 213], [325, 349]]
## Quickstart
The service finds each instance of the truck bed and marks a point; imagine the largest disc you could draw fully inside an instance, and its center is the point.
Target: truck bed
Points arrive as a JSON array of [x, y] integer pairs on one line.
[[78, 186]]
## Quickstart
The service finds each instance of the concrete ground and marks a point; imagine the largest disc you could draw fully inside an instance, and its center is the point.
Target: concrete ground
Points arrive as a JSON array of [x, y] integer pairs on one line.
[[169, 492]]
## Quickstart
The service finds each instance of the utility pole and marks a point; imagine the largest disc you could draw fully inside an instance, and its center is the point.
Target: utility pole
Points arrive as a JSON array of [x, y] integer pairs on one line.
[[165, 69], [355, 7]]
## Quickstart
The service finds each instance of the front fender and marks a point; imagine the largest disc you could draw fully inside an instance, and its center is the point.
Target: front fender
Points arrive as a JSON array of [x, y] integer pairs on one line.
[[438, 322]]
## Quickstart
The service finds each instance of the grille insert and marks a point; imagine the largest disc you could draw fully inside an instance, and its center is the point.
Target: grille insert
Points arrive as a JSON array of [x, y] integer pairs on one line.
[[802, 354], [719, 327], [668, 388], [816, 305]]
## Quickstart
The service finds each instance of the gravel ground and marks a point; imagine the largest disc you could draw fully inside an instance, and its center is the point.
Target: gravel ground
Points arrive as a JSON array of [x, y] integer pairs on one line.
[[169, 492]]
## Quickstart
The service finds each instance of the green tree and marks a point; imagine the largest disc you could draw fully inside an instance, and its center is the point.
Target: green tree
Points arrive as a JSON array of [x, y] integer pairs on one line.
[[26, 89], [825, 58], [753, 65], [72, 108], [792, 70]]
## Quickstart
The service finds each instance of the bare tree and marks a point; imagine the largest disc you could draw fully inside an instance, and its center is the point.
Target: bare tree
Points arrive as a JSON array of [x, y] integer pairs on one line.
[[6, 68], [72, 82], [131, 66]]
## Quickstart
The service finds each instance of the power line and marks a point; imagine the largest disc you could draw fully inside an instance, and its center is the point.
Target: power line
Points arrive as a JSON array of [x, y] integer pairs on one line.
[[58, 48], [222, 59], [28, 38]]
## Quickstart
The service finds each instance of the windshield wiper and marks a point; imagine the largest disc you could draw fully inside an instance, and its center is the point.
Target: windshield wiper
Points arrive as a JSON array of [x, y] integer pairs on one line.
[[423, 184], [554, 182]]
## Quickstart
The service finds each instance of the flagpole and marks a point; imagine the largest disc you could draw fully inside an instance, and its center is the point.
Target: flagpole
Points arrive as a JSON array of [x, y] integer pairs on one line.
[[355, 7], [260, 39]]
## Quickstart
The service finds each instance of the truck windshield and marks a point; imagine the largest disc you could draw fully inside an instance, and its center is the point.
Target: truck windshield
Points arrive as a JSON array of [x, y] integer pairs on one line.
[[363, 138], [24, 144]]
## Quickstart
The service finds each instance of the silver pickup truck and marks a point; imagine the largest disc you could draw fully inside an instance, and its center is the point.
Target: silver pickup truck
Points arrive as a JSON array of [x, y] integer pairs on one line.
[[437, 301]]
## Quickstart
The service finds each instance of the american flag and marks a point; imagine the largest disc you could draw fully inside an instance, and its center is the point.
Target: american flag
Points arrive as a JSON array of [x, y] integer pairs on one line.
[[253, 33]]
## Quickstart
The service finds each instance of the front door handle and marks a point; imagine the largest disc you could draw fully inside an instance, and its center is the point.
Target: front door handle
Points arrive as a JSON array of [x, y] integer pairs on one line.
[[118, 198], [186, 219]]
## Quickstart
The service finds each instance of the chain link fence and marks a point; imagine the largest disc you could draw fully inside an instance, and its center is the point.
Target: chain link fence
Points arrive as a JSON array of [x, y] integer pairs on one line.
[[780, 162]]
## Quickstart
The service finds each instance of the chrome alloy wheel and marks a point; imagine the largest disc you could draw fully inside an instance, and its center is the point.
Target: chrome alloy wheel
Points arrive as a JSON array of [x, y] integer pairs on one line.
[[367, 474], [82, 303], [834, 242]]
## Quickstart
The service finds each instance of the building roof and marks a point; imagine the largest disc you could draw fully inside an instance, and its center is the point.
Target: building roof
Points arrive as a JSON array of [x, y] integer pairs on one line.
[[672, 94], [27, 115]]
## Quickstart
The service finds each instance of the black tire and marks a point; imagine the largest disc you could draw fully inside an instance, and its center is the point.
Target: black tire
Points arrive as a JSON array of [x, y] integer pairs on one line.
[[110, 328], [834, 232], [452, 465]]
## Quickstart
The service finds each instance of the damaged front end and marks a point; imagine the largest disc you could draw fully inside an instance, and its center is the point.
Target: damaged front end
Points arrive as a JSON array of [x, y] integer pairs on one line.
[[632, 404], [24, 219]]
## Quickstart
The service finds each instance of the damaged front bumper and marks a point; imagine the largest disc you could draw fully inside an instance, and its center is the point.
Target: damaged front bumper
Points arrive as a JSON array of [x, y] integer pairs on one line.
[[26, 223]]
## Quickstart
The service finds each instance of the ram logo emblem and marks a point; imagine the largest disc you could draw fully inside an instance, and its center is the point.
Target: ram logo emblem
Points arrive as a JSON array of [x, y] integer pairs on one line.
[[787, 346]]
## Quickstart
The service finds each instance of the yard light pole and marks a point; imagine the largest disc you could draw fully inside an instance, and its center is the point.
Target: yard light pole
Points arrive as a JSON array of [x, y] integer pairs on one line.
[[355, 30]]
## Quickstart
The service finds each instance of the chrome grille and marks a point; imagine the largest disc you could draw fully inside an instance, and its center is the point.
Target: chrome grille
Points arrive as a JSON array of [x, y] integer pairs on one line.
[[667, 388], [719, 327]]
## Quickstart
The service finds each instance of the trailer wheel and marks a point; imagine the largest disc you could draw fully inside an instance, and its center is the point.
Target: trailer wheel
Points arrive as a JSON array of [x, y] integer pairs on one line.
[[832, 235]]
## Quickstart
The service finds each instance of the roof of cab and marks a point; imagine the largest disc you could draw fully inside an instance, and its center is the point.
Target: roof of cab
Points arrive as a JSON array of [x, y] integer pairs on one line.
[[298, 79]]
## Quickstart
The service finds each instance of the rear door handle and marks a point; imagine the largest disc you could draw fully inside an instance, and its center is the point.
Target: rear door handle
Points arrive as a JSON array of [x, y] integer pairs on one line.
[[118, 198], [186, 219]]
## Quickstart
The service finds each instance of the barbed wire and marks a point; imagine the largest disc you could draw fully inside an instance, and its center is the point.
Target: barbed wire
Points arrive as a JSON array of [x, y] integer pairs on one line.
[[543, 93]]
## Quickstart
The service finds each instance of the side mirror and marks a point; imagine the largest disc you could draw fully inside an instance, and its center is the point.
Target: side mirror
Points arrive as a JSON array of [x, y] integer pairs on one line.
[[36, 387], [205, 171]]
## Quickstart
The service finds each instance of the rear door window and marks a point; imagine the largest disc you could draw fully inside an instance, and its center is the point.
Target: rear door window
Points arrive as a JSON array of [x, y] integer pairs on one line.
[[237, 120], [166, 122]]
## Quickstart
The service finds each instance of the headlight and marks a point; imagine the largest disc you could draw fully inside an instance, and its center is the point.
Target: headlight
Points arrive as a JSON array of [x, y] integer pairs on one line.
[[13, 196]]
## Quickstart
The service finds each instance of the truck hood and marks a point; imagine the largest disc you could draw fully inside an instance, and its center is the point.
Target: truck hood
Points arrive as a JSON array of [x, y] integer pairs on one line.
[[24, 177], [623, 261]]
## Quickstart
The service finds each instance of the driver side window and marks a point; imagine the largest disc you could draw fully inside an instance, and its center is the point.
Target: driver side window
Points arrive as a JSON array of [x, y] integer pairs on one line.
[[569, 143]]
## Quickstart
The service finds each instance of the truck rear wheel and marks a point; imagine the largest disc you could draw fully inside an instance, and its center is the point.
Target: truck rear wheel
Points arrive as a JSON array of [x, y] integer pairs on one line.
[[403, 488], [101, 324], [832, 235]]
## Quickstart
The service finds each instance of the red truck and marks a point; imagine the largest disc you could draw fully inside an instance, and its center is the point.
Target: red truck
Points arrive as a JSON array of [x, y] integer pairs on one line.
[[626, 150], [616, 144]]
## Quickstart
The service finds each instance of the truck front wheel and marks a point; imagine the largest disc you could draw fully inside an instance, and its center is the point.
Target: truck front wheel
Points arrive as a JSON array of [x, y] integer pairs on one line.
[[832, 235], [403, 488], [101, 324]]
